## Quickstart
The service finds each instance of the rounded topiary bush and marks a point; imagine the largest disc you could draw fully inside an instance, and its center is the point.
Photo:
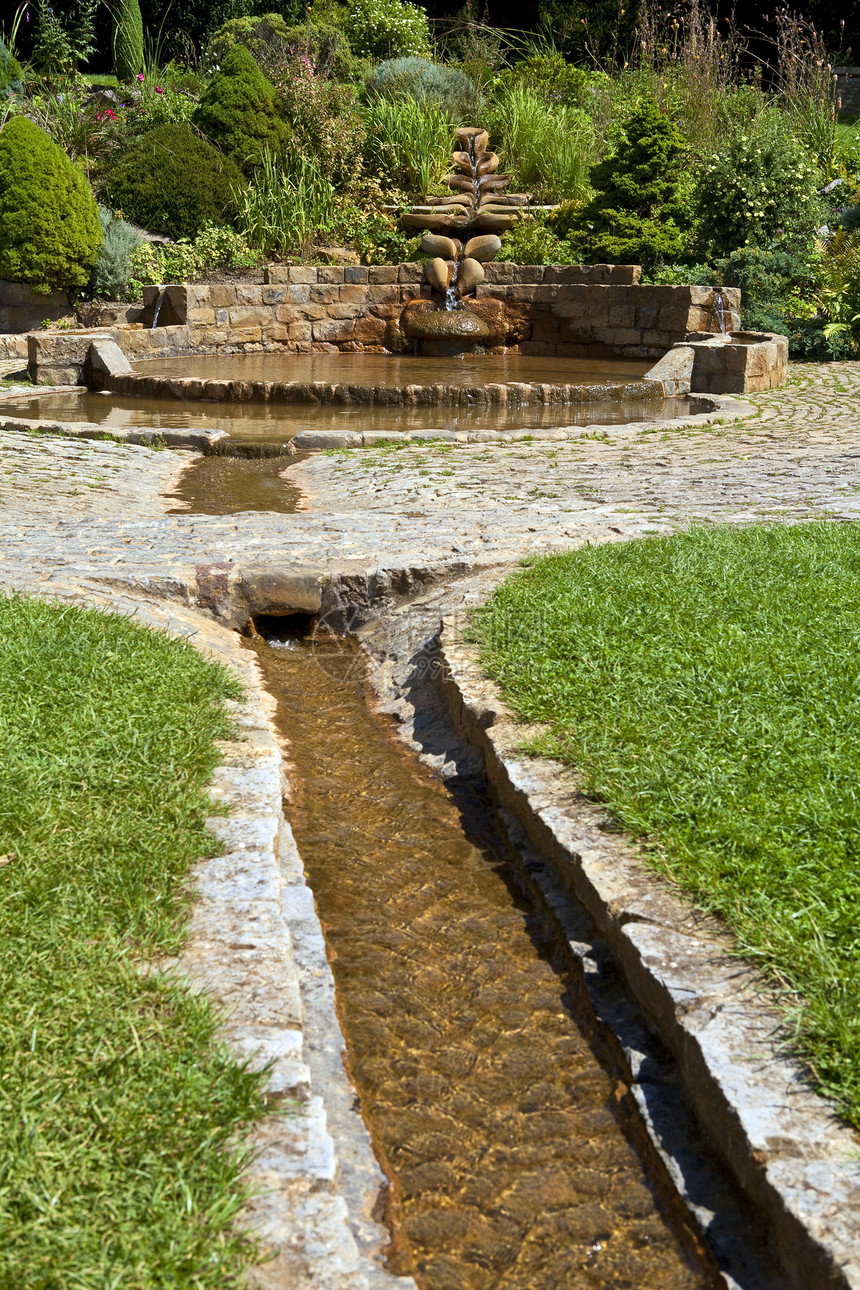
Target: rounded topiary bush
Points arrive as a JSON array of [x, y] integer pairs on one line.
[[173, 182], [49, 222], [241, 111], [10, 74]]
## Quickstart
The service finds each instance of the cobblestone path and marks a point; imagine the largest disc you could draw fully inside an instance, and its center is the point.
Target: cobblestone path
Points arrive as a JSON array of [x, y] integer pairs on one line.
[[797, 457], [83, 513]]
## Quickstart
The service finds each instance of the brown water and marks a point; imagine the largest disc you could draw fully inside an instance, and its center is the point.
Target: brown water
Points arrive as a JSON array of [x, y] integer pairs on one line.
[[389, 371], [488, 1107], [256, 428], [230, 485]]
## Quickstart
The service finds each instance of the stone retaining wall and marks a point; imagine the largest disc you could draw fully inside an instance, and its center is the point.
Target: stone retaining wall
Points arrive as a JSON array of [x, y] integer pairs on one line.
[[848, 87], [22, 309], [574, 311]]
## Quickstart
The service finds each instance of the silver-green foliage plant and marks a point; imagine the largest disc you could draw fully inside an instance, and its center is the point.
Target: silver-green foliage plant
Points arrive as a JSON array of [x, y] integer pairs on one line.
[[388, 29], [408, 144], [424, 81], [760, 186], [113, 267], [549, 148]]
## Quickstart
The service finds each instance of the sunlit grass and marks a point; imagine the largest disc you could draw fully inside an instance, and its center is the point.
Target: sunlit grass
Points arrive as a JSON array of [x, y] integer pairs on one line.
[[706, 687], [117, 1109]]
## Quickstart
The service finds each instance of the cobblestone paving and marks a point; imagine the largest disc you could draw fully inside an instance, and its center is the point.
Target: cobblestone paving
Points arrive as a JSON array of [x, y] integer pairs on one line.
[[798, 456], [422, 506], [42, 477]]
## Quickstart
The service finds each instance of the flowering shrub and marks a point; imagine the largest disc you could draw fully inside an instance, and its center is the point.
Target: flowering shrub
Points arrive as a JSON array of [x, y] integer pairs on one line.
[[759, 187], [388, 29], [327, 129]]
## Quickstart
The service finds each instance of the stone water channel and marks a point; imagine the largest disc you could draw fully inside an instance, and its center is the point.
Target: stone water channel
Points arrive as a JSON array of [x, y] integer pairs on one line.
[[482, 1075]]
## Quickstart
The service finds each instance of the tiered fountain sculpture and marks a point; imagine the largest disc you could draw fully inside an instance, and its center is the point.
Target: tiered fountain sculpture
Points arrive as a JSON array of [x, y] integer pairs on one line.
[[462, 236]]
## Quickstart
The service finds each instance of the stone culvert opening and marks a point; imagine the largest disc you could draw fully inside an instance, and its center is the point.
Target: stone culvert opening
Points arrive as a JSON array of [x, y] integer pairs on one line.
[[279, 628]]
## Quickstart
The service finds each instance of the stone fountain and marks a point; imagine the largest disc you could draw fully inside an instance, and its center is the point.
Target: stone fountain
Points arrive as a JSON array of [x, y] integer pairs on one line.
[[462, 234]]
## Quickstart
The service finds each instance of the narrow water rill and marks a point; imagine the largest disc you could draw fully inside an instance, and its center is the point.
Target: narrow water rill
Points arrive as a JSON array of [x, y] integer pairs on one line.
[[479, 1076]]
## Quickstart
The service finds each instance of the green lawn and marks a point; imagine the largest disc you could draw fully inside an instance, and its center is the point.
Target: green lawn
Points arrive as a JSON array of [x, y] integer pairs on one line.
[[115, 1105], [706, 687]]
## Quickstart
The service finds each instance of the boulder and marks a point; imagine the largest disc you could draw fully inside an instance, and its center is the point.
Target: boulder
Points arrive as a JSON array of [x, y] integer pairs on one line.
[[470, 276], [436, 245], [484, 248]]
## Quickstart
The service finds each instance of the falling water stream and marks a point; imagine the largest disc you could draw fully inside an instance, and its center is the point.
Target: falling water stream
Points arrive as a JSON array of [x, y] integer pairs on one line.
[[479, 1077]]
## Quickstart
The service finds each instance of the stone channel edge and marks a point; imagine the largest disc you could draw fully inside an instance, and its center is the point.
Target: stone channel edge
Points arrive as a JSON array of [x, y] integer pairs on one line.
[[797, 1164]]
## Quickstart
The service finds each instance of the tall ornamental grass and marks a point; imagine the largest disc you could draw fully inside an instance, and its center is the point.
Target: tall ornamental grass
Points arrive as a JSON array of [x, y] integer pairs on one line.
[[408, 143], [285, 205], [549, 148]]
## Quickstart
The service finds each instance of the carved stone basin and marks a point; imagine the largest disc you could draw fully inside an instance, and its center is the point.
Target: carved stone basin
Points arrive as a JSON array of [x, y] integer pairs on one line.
[[440, 332]]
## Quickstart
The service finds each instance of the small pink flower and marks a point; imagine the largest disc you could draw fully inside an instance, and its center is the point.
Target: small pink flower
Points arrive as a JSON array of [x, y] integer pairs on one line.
[[140, 76], [159, 90]]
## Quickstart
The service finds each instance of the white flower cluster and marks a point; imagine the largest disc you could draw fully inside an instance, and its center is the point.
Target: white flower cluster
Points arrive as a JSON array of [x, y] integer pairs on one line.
[[389, 28]]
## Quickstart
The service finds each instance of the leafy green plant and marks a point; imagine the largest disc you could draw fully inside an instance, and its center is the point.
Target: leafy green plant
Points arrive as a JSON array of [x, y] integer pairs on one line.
[[376, 237], [327, 127], [127, 39], [758, 186], [49, 222], [636, 215], [552, 78], [424, 81], [113, 267], [274, 44], [535, 243], [64, 35], [213, 248], [408, 144], [388, 29], [10, 74], [281, 209], [171, 181], [549, 148], [240, 111]]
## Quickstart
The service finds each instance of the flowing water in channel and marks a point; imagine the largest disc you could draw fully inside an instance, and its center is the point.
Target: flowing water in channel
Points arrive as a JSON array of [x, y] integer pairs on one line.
[[487, 1105]]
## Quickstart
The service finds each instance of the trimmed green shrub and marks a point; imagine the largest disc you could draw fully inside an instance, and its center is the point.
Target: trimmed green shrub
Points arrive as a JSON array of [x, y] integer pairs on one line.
[[552, 79], [127, 39], [10, 74], [113, 267], [274, 45], [173, 182], [426, 82], [49, 222], [759, 186], [636, 215], [241, 112], [388, 29]]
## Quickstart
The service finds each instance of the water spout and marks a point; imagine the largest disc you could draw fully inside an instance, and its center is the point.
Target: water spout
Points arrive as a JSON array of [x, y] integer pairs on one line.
[[720, 311], [162, 291]]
